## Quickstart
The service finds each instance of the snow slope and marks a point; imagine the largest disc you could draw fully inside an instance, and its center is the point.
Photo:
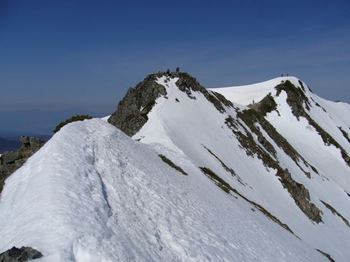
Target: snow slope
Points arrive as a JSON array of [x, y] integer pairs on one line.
[[192, 126], [246, 94], [93, 194], [331, 184], [266, 179], [331, 116]]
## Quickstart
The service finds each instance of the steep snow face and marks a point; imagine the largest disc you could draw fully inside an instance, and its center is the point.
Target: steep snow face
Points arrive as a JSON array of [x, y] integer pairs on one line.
[[320, 134], [93, 194], [332, 118], [291, 158]]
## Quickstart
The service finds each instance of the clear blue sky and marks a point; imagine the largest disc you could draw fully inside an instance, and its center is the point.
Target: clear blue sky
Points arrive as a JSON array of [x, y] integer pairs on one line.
[[63, 57]]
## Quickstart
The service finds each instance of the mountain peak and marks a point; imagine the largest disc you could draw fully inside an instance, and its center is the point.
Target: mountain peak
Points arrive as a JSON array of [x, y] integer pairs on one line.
[[132, 111]]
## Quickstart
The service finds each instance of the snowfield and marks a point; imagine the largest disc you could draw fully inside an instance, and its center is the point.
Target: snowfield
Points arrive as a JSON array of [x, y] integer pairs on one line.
[[93, 193]]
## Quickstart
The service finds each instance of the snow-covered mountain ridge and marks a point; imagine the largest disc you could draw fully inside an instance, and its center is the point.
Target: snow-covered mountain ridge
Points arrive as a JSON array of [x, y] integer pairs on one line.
[[282, 138], [259, 172]]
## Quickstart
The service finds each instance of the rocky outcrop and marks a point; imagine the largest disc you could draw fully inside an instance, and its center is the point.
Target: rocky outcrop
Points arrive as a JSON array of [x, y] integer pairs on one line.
[[267, 153], [345, 134], [171, 164], [189, 84], [266, 105], [20, 254], [132, 110], [298, 102], [11, 161], [296, 97], [300, 195], [72, 119]]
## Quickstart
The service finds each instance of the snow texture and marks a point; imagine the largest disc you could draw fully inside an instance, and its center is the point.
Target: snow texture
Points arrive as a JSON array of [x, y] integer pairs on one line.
[[94, 194]]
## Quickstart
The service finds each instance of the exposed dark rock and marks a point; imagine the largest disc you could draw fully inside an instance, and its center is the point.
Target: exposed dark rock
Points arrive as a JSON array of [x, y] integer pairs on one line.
[[20, 254], [297, 99], [9, 157], [226, 187], [171, 164], [318, 105], [189, 84], [301, 85], [298, 191], [11, 161], [266, 105], [231, 123], [216, 179], [328, 139], [328, 256], [228, 169], [222, 99], [345, 134], [252, 117], [132, 110], [300, 195], [335, 212], [74, 118]]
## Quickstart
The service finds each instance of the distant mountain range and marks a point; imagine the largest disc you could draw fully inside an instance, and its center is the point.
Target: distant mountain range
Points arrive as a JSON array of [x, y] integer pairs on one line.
[[8, 145]]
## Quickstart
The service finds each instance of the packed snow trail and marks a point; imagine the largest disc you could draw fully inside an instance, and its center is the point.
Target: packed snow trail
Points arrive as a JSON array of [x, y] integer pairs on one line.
[[93, 194]]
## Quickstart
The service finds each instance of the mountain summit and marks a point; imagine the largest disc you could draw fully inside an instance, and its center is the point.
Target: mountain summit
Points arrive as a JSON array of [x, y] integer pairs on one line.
[[183, 173]]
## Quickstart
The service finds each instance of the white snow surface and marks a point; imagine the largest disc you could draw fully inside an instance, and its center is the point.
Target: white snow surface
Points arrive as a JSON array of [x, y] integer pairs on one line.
[[191, 125], [93, 194], [246, 94]]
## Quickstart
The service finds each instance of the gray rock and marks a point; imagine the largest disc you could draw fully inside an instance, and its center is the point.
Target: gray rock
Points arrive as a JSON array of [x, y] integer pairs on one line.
[[20, 254], [25, 140], [10, 157], [132, 110], [11, 161]]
